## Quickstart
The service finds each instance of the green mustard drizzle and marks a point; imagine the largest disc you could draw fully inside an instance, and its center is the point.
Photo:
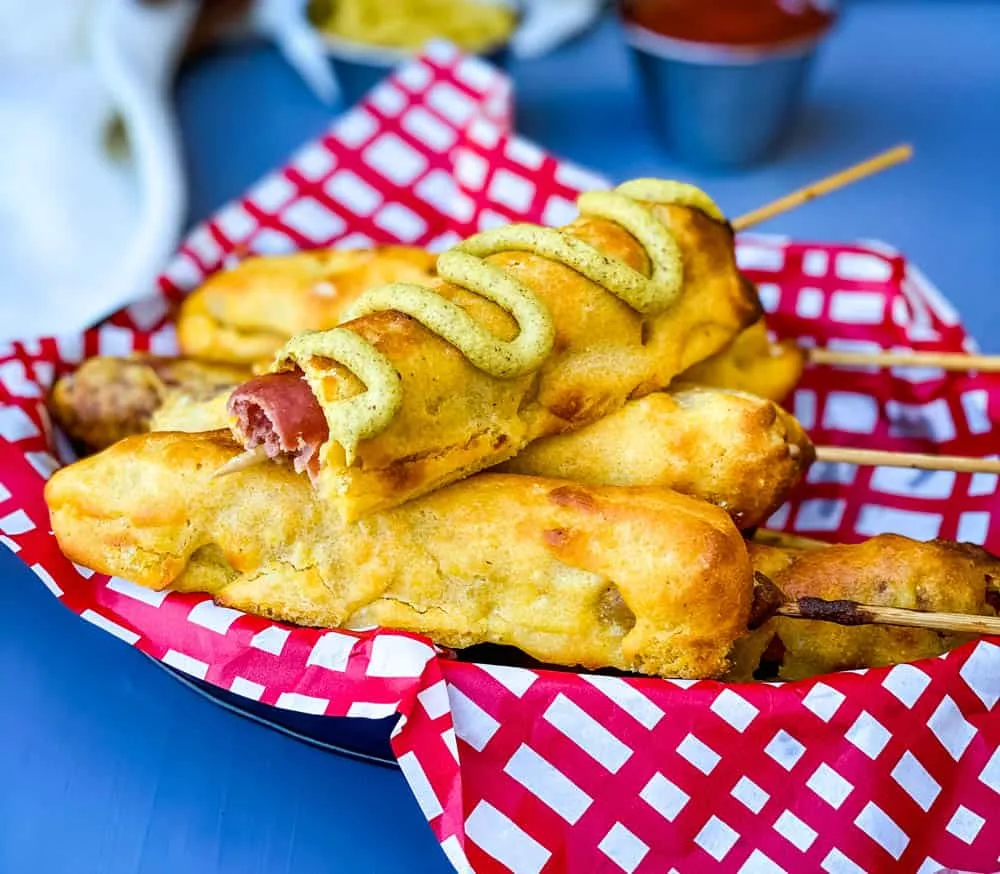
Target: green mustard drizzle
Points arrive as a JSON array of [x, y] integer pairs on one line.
[[369, 413]]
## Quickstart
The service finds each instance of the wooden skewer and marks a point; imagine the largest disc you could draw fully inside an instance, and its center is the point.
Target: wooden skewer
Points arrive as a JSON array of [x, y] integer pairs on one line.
[[853, 613], [944, 360], [914, 460], [783, 539], [247, 459], [873, 165]]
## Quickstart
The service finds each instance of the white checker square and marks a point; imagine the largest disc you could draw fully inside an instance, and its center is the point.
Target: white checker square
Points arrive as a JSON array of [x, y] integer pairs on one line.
[[475, 73], [112, 340], [623, 848], [70, 348], [981, 673], [4, 493], [137, 593], [548, 784], [664, 796], [504, 840], [388, 99], [450, 740], [851, 412], [558, 212], [272, 193], [484, 132], [302, 703], [579, 179], [404, 223], [351, 191], [931, 866], [785, 750], [965, 824], [837, 472], [626, 696], [907, 683], [247, 688], [214, 618], [517, 681], [372, 709], [913, 483], [820, 514], [489, 219], [932, 420], [438, 189], [472, 724], [864, 266], [202, 242], [837, 863], [750, 794], [355, 128], [594, 739], [809, 303], [716, 838], [313, 161], [421, 787], [758, 863], [183, 272], [882, 829], [815, 262], [972, 527], [105, 624], [14, 376], [525, 153], [434, 699], [332, 651], [271, 639], [857, 307], [698, 754], [16, 523], [512, 190], [446, 99], [313, 220], [991, 773], [14, 548], [976, 408], [750, 256], [443, 242], [779, 518], [805, 407], [875, 519], [456, 855], [868, 735], [355, 240], [798, 833], [916, 781], [148, 311], [42, 463], [164, 341], [734, 709], [187, 664], [16, 425], [427, 128], [416, 76], [397, 656], [396, 160], [769, 295], [830, 786], [951, 728], [268, 241], [471, 170]]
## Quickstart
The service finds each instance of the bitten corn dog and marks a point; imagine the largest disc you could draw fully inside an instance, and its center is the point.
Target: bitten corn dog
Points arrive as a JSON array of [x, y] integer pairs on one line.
[[535, 332], [636, 579]]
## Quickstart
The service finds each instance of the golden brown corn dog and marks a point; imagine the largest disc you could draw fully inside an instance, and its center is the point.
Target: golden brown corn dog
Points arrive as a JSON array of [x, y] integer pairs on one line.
[[425, 415], [887, 570], [244, 315], [635, 579]]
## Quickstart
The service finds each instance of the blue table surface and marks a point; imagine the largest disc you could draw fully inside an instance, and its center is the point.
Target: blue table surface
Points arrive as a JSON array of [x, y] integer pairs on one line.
[[109, 765]]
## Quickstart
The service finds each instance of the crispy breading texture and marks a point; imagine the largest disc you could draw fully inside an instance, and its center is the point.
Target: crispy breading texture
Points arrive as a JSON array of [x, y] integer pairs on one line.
[[636, 579], [740, 452], [887, 570], [106, 398], [455, 419], [752, 363], [245, 314]]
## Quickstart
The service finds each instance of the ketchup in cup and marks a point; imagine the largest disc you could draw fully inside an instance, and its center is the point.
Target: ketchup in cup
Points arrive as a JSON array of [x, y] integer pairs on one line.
[[723, 79]]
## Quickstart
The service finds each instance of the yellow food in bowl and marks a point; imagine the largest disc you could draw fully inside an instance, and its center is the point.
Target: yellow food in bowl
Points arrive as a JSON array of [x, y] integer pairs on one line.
[[472, 25]]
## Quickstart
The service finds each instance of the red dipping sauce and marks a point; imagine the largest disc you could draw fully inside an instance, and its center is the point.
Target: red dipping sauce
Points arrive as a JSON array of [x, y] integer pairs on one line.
[[740, 23]]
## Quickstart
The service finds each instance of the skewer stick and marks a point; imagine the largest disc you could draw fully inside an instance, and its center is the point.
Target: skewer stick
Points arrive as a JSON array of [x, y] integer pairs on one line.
[[243, 461], [783, 539], [873, 165], [943, 360], [914, 460], [853, 613]]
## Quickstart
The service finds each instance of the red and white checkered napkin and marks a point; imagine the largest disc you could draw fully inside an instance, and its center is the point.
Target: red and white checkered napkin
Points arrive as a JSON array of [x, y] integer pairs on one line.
[[532, 770]]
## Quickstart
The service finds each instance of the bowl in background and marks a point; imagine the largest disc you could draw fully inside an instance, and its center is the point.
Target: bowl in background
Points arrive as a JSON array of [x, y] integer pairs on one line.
[[360, 66], [730, 102]]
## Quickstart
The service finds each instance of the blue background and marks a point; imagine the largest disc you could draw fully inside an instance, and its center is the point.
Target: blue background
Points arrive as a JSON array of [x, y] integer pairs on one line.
[[109, 765]]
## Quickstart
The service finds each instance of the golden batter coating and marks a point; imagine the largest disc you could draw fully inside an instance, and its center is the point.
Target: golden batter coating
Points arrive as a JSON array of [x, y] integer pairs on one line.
[[752, 363], [455, 419], [245, 314], [740, 452], [888, 570], [106, 398], [636, 579]]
